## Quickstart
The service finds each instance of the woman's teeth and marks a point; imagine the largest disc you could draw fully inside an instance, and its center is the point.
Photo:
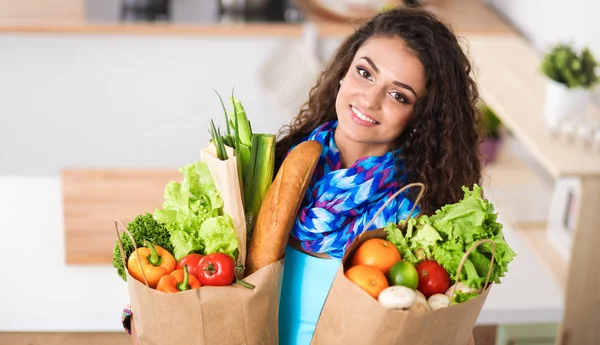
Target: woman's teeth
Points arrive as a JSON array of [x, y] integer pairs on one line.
[[362, 116]]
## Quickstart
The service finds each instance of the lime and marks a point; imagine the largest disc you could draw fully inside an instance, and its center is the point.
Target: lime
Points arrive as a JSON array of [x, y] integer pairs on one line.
[[403, 273]]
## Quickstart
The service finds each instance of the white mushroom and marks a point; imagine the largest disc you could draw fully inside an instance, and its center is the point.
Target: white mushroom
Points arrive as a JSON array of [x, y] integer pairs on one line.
[[461, 287], [397, 297], [420, 294], [420, 303], [438, 301]]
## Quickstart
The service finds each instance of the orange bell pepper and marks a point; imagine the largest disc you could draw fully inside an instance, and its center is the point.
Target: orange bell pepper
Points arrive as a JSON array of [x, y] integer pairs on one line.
[[178, 280], [156, 262]]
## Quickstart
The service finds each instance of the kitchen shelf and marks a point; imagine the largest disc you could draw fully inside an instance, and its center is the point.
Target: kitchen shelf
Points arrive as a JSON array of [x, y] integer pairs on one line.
[[507, 72], [508, 76], [465, 17]]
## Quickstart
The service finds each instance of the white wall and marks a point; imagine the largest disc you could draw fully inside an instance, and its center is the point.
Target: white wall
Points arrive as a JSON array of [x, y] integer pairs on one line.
[[122, 101], [547, 22]]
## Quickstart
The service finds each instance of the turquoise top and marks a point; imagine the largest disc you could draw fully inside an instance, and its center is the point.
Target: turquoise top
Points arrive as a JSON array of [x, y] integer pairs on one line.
[[306, 283]]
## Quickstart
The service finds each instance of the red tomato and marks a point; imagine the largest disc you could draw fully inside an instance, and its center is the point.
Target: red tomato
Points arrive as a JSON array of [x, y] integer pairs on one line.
[[433, 278], [216, 269], [192, 261]]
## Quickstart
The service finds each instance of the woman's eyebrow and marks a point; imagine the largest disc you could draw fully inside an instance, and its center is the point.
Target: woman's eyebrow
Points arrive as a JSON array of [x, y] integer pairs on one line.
[[400, 84], [368, 59]]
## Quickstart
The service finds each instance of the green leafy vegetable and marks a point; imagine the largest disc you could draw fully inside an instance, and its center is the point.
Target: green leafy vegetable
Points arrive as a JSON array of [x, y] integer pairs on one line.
[[193, 215], [447, 235], [142, 228], [461, 297], [217, 236]]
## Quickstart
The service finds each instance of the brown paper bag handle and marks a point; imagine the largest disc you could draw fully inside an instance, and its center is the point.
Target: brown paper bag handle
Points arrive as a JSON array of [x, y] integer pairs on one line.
[[466, 256], [125, 230], [389, 200]]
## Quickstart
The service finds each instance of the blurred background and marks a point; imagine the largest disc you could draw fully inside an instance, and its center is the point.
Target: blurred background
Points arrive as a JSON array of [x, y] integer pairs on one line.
[[101, 101]]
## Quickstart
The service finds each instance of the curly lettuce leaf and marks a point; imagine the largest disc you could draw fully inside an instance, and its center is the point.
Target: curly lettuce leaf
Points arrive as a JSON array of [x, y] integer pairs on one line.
[[395, 236], [424, 240], [218, 235], [448, 234], [192, 213], [185, 243], [461, 297]]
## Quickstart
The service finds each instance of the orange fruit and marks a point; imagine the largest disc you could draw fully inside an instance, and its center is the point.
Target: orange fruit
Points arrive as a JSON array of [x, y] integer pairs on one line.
[[368, 278], [376, 252]]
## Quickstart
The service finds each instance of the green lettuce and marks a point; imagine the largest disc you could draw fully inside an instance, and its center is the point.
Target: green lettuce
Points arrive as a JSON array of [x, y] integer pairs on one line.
[[217, 236], [461, 297], [394, 235], [447, 235], [193, 214]]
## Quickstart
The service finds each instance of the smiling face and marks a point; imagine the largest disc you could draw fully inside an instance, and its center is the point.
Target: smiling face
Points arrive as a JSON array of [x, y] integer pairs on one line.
[[377, 97]]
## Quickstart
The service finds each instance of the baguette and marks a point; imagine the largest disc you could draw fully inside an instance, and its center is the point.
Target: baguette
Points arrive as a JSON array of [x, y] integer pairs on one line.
[[280, 207]]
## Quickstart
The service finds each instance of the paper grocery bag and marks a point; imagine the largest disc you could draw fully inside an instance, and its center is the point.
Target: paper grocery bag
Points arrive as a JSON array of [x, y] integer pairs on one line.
[[351, 316], [223, 174], [209, 315]]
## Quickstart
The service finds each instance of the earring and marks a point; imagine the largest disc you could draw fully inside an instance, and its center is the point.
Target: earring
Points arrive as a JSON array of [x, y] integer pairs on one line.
[[341, 81]]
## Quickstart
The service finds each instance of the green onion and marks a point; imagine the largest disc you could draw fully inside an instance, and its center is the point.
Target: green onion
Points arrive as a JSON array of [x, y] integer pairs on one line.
[[228, 139], [217, 139], [255, 153]]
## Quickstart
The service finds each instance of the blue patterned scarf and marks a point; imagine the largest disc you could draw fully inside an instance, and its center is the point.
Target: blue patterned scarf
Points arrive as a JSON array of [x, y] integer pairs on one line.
[[339, 203]]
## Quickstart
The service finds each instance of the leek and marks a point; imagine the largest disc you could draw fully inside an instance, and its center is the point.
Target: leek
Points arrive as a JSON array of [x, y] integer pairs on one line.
[[243, 135], [259, 175], [255, 154]]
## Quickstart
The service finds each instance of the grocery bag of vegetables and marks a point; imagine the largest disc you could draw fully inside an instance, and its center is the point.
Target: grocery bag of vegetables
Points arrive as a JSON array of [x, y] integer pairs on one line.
[[423, 281], [206, 267]]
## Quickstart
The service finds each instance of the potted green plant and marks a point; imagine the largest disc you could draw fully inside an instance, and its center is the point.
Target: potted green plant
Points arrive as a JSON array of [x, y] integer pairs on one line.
[[491, 144], [570, 76]]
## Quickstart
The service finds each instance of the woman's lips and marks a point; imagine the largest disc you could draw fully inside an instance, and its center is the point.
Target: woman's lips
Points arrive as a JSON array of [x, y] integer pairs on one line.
[[361, 118]]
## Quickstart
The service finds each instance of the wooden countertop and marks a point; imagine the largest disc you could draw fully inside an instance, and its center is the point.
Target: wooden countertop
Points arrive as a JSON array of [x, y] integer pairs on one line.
[[465, 17], [243, 29]]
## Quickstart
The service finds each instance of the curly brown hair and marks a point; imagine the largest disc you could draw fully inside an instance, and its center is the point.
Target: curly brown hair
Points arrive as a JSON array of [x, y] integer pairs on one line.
[[440, 146]]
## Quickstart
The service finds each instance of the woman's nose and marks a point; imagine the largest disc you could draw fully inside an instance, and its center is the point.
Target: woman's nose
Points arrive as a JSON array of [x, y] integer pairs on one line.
[[372, 97]]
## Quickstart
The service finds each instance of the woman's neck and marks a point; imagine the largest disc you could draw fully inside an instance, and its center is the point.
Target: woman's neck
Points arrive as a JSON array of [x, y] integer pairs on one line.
[[351, 151]]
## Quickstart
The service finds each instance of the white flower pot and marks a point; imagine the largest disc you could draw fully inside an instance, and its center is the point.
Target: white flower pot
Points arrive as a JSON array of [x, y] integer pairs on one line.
[[563, 104]]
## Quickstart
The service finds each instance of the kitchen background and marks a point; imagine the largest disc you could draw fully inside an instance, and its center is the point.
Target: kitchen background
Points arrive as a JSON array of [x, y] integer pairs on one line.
[[96, 84]]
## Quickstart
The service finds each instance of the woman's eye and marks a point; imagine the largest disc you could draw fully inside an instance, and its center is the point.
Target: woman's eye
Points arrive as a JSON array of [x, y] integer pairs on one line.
[[399, 97], [363, 73]]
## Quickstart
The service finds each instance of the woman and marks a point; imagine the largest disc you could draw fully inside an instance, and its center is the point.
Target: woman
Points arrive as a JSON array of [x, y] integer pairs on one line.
[[404, 111], [396, 105]]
